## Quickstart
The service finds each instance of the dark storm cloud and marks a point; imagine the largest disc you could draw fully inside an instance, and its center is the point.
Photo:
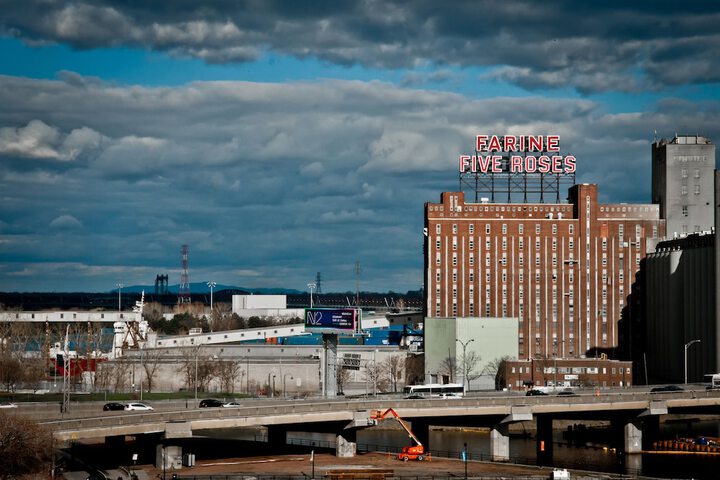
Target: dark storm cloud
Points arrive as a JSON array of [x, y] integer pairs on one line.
[[268, 183], [591, 46]]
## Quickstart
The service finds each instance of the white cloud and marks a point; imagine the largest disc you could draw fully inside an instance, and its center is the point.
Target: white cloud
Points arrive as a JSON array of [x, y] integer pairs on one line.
[[38, 140], [64, 222], [267, 177]]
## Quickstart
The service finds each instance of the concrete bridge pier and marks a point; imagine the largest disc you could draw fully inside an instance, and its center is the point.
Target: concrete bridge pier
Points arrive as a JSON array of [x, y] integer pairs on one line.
[[544, 439], [500, 436], [346, 443], [500, 443]]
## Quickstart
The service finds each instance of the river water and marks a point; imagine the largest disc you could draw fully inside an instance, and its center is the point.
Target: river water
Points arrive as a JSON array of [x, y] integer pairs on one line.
[[597, 454]]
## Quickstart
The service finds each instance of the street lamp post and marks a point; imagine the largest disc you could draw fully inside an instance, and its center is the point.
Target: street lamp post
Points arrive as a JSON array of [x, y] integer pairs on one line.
[[311, 286], [464, 360], [688, 345], [284, 377], [120, 287], [211, 285], [196, 375]]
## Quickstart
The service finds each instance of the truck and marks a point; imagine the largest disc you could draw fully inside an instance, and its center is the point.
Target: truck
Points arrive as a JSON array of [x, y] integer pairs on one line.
[[414, 452]]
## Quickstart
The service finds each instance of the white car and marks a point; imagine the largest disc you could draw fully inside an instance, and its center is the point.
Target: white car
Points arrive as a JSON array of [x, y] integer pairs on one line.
[[7, 405], [138, 406], [231, 404]]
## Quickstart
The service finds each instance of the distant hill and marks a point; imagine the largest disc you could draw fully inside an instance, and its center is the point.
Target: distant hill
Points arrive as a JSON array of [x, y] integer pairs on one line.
[[201, 287]]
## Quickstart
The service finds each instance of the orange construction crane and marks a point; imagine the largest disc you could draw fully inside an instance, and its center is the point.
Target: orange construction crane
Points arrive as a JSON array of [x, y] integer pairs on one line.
[[416, 452]]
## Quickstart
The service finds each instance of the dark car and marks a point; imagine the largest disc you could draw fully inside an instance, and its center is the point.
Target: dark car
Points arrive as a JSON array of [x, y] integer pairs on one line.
[[532, 393], [567, 393], [211, 402], [667, 388], [113, 406]]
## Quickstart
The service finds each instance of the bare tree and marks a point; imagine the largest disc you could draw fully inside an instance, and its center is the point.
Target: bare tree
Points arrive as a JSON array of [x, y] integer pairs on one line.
[[496, 369], [342, 376], [374, 377], [393, 368], [151, 363], [197, 368], [448, 368], [468, 367], [227, 372], [113, 375], [26, 448]]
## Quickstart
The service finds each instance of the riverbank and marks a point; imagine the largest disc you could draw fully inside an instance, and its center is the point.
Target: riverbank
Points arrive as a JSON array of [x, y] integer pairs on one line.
[[301, 465]]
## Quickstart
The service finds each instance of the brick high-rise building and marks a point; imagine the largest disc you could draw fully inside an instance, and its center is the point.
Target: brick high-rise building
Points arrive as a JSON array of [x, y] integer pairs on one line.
[[564, 270]]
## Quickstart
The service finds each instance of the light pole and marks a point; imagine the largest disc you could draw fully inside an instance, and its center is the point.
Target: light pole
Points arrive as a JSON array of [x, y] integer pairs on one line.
[[273, 388], [688, 345], [464, 360], [311, 286], [211, 285], [284, 377], [196, 374], [120, 287]]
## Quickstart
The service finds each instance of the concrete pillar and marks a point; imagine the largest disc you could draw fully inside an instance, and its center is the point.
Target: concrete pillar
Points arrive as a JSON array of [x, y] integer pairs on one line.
[[329, 364], [168, 457], [632, 442], [544, 439], [500, 443], [346, 443], [633, 464], [276, 437]]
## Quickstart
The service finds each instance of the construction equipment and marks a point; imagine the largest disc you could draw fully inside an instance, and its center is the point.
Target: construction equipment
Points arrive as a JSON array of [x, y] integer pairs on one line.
[[416, 452]]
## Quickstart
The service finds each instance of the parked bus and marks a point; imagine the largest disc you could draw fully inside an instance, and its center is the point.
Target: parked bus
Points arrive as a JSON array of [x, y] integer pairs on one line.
[[434, 390]]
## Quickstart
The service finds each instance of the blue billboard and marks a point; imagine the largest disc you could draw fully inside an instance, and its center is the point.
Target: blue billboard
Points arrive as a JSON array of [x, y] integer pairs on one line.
[[330, 319]]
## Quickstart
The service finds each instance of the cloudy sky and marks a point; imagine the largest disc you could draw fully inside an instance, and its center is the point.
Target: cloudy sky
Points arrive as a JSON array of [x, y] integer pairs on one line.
[[283, 138]]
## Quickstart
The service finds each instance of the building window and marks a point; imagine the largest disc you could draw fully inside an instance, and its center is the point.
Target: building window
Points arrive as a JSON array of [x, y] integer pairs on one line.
[[472, 229], [621, 231], [521, 229], [571, 229], [683, 190], [554, 229], [521, 243], [454, 228], [487, 276], [504, 276], [437, 229], [487, 309], [472, 276], [487, 228], [537, 229], [638, 232], [454, 243], [684, 209], [472, 260], [521, 260], [683, 173], [697, 189], [554, 244], [437, 260], [437, 244], [504, 260], [504, 229], [454, 276], [437, 276], [454, 260], [537, 260], [487, 260], [571, 243], [521, 277], [504, 243], [487, 243], [604, 243], [472, 244], [655, 231], [537, 244]]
